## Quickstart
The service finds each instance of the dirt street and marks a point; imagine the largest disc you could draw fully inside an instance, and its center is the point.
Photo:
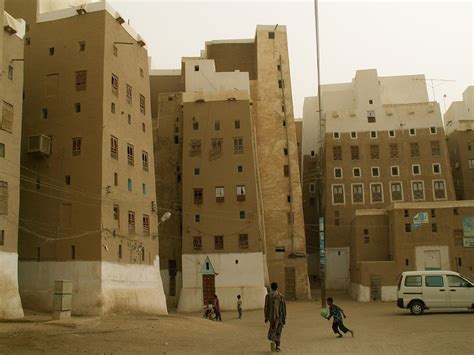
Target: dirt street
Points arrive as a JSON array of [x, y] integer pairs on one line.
[[380, 328]]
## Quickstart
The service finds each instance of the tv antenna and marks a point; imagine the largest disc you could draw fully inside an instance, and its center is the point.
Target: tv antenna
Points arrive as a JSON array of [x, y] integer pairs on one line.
[[434, 83]]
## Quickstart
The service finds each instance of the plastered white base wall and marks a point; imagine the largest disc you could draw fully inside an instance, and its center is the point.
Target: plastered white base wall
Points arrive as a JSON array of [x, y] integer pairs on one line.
[[362, 293], [245, 278], [98, 287], [10, 302]]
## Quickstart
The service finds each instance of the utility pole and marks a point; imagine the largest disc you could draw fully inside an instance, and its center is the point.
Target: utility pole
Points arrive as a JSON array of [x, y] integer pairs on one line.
[[322, 251]]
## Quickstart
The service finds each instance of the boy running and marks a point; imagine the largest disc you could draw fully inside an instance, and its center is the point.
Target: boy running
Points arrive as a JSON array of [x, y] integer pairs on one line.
[[336, 313]]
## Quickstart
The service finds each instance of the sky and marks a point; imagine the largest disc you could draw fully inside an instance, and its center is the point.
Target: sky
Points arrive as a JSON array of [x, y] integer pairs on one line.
[[401, 37]]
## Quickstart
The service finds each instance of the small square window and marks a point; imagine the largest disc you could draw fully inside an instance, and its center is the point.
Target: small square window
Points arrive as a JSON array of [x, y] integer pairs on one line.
[[353, 135], [77, 107], [288, 198], [371, 116], [356, 172], [195, 126], [416, 169], [197, 218], [284, 123], [217, 125], [373, 134], [375, 172], [237, 124], [51, 51], [196, 68], [196, 171], [391, 133], [371, 102], [285, 151], [338, 172], [433, 130], [412, 132], [44, 113], [271, 35], [407, 227], [336, 135], [67, 179], [240, 168], [406, 213], [395, 171], [436, 168], [82, 46], [242, 214], [434, 228]]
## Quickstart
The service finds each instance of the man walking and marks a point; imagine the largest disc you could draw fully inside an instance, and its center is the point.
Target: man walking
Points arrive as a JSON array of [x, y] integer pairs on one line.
[[275, 313]]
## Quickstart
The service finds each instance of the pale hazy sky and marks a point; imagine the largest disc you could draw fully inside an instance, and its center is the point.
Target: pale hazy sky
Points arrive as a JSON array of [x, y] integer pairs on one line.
[[434, 38]]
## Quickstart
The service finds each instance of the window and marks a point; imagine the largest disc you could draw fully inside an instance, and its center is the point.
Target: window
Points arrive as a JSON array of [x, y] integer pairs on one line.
[[433, 213], [81, 80], [338, 194], [336, 135], [115, 84], [195, 125], [414, 150], [243, 241], [396, 191], [280, 83], [366, 236], [413, 281], [338, 172], [242, 214], [337, 152], [313, 153], [353, 135], [146, 225], [130, 154], [81, 46], [371, 116], [77, 107], [76, 146], [418, 190], [144, 188], [375, 172], [374, 151], [356, 172], [115, 179], [219, 242], [376, 193], [2, 237], [434, 281], [129, 94], [412, 132], [115, 51], [285, 151], [391, 133], [114, 147], [198, 196], [120, 254], [312, 188], [435, 148], [271, 35], [145, 160], [217, 125], [355, 152], [143, 127], [131, 222], [288, 198], [2, 150], [240, 168], [238, 145], [433, 130], [142, 73], [73, 252], [406, 213], [456, 281], [197, 218], [116, 213], [197, 243], [439, 190], [436, 168], [286, 170], [393, 150], [371, 102], [241, 193], [130, 185], [196, 171], [455, 211], [237, 124], [51, 51], [67, 179], [44, 113], [373, 134], [434, 228], [416, 169], [220, 194], [195, 147], [216, 145], [10, 72], [357, 193], [471, 164], [395, 171], [3, 197], [142, 104], [7, 117], [112, 107], [407, 227], [129, 119]]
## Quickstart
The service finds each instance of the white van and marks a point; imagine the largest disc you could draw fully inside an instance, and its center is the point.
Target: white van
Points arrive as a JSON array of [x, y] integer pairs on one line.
[[420, 290]]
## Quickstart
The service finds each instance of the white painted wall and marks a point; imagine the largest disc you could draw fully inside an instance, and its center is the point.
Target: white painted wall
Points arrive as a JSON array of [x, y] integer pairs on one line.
[[245, 278], [420, 256], [362, 293], [98, 287], [10, 302], [337, 268]]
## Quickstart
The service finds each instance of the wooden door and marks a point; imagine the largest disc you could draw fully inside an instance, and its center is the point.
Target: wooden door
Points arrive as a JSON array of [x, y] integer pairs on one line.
[[290, 283], [208, 288]]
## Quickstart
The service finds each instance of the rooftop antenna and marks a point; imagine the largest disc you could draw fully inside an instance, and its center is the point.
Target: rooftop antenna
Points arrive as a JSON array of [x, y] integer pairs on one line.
[[434, 83]]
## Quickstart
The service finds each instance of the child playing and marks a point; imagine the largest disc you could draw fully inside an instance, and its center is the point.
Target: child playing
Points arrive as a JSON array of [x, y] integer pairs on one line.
[[239, 306], [335, 312], [209, 311]]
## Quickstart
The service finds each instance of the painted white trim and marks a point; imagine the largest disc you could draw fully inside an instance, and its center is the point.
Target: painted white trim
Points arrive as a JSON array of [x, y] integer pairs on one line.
[[433, 169], [394, 133], [413, 191], [373, 135], [435, 130], [343, 195], [413, 169], [414, 132], [352, 193], [342, 173], [336, 135], [381, 190], [445, 191], [398, 170], [353, 133], [401, 190], [372, 173], [353, 172]]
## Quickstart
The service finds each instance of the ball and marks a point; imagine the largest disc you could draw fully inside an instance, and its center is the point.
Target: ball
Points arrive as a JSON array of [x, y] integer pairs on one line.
[[324, 313]]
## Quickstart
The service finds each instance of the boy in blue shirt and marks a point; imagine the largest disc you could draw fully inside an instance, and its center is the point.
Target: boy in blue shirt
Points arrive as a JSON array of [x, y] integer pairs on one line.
[[337, 313]]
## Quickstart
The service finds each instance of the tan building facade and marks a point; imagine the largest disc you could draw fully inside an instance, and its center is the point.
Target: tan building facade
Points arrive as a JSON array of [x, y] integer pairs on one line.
[[387, 242], [11, 90], [384, 142], [88, 199], [459, 125]]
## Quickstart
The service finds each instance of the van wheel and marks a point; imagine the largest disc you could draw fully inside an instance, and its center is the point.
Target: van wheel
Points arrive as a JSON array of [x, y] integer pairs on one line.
[[416, 308]]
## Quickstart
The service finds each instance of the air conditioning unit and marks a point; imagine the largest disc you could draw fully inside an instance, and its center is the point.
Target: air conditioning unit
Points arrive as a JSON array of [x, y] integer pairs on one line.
[[40, 144]]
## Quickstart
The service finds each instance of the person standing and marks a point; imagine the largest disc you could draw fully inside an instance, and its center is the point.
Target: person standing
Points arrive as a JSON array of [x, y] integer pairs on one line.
[[275, 313], [337, 313], [217, 308], [239, 306]]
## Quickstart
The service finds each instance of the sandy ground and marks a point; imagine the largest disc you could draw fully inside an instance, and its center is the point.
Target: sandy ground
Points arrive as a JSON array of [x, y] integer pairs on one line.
[[380, 328]]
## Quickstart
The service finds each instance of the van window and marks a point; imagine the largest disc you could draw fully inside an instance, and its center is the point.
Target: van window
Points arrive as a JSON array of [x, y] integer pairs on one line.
[[413, 281], [434, 281], [456, 281]]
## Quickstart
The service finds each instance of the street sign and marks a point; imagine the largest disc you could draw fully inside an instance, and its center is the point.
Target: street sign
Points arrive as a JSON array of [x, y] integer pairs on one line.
[[421, 217], [468, 242]]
